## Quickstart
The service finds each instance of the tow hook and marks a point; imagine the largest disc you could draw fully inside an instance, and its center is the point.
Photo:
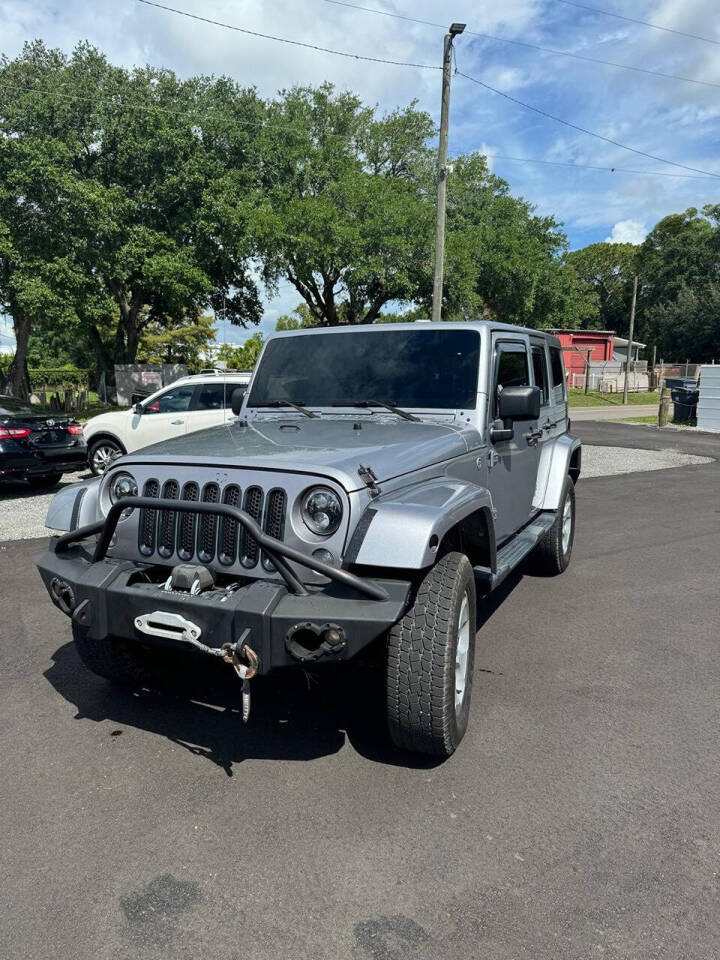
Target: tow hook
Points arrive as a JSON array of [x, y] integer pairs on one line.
[[234, 654]]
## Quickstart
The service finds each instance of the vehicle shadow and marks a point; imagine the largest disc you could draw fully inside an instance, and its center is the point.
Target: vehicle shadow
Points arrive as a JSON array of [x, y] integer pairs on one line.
[[22, 490], [295, 715]]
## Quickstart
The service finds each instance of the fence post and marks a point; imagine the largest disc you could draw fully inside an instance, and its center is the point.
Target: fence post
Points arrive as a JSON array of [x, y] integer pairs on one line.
[[664, 408]]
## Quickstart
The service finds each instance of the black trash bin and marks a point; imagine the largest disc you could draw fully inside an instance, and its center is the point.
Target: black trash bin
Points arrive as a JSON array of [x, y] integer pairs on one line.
[[685, 394]]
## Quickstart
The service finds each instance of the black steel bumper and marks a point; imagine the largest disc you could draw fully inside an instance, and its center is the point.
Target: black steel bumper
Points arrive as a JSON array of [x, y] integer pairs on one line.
[[286, 623], [20, 464]]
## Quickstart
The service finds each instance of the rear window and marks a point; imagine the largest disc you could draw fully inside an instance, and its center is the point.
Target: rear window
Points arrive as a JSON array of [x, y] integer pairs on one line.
[[10, 406]]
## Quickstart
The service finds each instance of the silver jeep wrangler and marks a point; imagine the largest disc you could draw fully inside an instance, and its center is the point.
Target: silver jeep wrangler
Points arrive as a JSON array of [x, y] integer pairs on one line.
[[376, 479]]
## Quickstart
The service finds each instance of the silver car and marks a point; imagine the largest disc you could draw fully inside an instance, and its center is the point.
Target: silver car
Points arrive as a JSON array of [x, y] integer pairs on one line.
[[373, 483]]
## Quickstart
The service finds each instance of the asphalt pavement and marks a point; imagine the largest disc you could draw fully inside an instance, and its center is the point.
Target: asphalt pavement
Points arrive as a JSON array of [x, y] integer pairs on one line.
[[579, 818]]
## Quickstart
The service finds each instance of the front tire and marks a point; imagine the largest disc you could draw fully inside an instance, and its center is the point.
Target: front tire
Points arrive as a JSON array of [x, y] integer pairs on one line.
[[430, 658], [552, 554], [113, 659], [101, 454]]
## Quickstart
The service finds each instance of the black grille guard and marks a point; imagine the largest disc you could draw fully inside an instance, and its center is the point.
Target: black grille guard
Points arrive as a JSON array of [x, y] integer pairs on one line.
[[276, 550]]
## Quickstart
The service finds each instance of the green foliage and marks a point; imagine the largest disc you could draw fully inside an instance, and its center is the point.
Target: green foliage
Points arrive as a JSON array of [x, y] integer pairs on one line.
[[297, 320], [502, 260], [162, 341], [344, 214], [243, 357], [605, 273]]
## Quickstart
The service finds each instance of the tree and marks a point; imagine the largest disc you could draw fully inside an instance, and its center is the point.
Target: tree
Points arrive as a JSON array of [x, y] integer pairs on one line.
[[245, 356], [689, 325], [605, 272], [150, 192], [502, 260], [344, 214], [170, 343], [297, 320]]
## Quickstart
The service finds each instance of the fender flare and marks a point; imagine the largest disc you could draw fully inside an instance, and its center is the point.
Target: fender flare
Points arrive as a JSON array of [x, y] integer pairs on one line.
[[74, 506], [556, 458], [403, 529]]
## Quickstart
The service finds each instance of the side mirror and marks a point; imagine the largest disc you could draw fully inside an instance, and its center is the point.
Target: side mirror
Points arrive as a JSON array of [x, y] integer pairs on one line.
[[237, 400], [138, 409], [519, 403]]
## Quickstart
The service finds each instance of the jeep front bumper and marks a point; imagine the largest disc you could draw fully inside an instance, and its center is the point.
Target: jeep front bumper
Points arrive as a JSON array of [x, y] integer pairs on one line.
[[285, 622]]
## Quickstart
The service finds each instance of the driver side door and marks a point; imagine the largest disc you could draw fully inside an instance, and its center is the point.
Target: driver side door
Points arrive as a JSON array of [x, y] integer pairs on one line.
[[164, 416], [513, 463]]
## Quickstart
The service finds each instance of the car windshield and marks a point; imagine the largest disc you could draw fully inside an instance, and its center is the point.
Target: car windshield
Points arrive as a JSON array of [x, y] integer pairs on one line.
[[9, 406], [425, 369]]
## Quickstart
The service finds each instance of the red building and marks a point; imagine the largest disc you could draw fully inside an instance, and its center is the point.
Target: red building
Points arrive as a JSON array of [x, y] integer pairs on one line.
[[577, 343]]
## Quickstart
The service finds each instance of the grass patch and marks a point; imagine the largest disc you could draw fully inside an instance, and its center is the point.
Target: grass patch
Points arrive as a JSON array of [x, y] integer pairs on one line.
[[593, 398]]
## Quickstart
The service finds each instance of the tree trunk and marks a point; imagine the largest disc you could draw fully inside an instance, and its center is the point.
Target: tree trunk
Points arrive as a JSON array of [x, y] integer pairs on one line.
[[18, 381]]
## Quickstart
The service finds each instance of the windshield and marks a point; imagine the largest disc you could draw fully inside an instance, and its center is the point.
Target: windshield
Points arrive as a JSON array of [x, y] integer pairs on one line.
[[427, 369]]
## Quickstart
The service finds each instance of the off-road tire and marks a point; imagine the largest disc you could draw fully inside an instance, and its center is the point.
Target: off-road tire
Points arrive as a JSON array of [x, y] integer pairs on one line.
[[550, 558], [420, 669], [123, 663], [45, 481]]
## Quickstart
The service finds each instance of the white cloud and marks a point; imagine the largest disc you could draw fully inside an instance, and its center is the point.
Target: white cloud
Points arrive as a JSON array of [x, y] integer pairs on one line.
[[627, 231]]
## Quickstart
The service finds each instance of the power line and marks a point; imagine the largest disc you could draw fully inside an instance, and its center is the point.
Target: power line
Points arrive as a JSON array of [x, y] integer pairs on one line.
[[528, 45], [590, 133], [294, 43], [644, 23], [590, 166], [481, 83]]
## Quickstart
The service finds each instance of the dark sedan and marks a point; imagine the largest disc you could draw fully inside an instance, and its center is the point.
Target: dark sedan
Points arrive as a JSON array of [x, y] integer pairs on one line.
[[36, 445]]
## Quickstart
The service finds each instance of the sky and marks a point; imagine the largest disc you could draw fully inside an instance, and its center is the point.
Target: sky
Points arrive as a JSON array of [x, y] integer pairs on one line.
[[673, 119]]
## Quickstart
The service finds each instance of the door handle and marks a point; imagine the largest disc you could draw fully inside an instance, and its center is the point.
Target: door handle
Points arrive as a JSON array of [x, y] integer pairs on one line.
[[176, 423], [533, 437]]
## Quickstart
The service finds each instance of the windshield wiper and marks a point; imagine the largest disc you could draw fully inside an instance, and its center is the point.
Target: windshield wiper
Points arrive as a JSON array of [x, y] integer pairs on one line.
[[378, 403], [290, 403]]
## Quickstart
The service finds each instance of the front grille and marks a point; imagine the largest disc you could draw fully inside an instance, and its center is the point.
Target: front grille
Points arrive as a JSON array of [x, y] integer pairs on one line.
[[207, 526], [253, 506], [186, 532], [147, 520], [205, 537], [274, 523]]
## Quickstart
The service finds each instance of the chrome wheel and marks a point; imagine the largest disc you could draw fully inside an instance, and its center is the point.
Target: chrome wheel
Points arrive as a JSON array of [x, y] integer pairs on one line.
[[567, 522], [461, 652], [102, 456]]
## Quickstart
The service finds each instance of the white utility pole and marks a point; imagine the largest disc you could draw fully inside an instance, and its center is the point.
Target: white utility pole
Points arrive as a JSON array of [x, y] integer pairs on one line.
[[455, 30]]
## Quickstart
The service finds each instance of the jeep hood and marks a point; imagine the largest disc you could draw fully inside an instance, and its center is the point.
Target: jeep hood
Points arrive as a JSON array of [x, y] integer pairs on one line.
[[331, 447]]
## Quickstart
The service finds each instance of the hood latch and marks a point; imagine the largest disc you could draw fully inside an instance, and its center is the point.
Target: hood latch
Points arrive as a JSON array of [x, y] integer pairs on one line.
[[368, 477]]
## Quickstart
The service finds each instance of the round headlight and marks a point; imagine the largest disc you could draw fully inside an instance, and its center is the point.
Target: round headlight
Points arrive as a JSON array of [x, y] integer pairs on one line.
[[122, 485], [321, 511]]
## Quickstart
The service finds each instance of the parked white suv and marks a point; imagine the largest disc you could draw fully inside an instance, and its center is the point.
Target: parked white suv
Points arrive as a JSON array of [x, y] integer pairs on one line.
[[189, 404]]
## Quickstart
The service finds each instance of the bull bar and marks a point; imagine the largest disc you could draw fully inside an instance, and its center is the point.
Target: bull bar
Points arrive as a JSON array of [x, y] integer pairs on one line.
[[277, 551]]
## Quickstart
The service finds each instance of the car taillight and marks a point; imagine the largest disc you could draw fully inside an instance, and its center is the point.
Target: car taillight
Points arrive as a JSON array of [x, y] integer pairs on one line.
[[75, 429], [14, 433]]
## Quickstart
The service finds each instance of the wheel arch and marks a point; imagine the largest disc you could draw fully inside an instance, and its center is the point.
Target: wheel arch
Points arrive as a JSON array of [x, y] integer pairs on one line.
[[105, 434], [410, 528]]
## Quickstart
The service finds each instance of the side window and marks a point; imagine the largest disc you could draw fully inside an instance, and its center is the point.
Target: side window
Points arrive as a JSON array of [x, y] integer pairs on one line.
[[540, 373], [211, 396], [174, 400], [558, 373], [511, 367]]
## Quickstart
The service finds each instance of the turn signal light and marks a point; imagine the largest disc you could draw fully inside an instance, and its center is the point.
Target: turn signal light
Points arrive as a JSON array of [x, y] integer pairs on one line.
[[14, 433]]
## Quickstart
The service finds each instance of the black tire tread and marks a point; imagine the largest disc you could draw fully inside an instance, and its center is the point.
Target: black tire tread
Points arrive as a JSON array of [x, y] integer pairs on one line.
[[420, 718], [547, 558], [114, 659]]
